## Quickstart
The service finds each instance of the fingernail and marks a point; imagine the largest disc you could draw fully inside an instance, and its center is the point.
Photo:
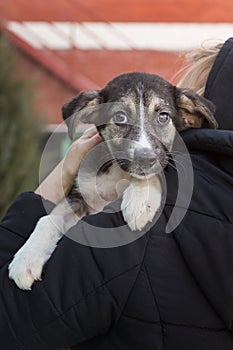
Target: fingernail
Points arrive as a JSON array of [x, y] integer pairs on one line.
[[99, 137]]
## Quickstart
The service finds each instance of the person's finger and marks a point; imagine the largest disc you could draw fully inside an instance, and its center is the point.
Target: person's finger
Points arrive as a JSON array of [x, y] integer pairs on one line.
[[90, 132], [84, 144], [95, 139]]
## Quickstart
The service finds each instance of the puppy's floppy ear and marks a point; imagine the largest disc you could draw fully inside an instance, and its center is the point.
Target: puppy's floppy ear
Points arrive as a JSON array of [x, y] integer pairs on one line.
[[81, 108], [195, 111]]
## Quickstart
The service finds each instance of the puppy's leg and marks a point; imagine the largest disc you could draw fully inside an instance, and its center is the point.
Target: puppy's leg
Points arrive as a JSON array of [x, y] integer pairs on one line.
[[28, 262], [141, 201]]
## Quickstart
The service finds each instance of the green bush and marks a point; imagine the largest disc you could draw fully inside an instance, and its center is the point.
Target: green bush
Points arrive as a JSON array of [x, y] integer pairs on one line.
[[19, 129]]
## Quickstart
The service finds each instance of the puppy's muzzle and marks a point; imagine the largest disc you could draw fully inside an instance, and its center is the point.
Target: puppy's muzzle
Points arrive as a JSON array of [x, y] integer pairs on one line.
[[144, 157]]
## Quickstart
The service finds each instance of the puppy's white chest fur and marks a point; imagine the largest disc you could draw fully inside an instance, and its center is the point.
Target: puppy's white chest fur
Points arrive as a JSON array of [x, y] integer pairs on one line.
[[99, 190], [141, 197], [141, 201]]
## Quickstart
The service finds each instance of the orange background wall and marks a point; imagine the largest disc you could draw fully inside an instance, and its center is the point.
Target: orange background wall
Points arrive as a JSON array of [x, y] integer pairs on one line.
[[50, 92]]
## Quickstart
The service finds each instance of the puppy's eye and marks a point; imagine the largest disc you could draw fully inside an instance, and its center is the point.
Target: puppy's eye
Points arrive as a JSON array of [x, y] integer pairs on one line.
[[163, 118], [120, 118]]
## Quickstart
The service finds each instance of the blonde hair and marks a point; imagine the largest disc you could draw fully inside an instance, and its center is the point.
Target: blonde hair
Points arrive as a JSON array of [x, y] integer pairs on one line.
[[197, 68]]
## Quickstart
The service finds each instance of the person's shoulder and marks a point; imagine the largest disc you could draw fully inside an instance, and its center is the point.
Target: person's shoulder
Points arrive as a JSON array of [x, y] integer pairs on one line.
[[24, 212]]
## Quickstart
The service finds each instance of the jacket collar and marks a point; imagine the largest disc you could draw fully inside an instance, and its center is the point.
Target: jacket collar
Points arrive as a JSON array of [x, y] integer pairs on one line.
[[209, 140], [212, 142], [219, 86]]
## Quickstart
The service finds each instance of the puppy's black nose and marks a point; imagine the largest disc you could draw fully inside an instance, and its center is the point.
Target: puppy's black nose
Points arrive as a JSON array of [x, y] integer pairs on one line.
[[145, 157]]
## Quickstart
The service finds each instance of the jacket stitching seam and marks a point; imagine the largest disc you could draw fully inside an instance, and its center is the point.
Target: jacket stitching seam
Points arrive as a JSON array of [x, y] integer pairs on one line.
[[204, 328], [203, 214], [136, 278], [156, 303], [60, 314]]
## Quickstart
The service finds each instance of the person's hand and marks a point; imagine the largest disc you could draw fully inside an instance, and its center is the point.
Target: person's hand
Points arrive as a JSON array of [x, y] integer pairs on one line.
[[59, 182], [78, 150]]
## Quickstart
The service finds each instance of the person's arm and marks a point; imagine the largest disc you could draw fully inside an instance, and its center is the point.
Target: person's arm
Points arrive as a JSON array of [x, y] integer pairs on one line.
[[19, 222], [58, 183], [80, 295], [22, 216]]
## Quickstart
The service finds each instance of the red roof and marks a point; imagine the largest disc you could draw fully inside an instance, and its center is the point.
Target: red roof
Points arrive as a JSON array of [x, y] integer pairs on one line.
[[115, 10], [86, 69]]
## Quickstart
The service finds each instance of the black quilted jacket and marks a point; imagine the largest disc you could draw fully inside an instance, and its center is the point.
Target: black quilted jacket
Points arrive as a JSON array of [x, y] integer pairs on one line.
[[164, 291]]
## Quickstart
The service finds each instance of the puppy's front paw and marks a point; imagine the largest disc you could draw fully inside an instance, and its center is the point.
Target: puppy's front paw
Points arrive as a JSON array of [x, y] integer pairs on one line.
[[137, 215], [26, 267], [141, 201]]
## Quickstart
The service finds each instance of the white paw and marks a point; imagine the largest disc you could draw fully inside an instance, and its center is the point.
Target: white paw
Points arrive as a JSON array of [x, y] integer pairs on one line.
[[137, 215], [26, 267], [141, 201], [28, 262]]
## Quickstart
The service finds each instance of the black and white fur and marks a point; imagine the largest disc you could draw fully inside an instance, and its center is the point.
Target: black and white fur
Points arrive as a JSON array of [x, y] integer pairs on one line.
[[138, 107]]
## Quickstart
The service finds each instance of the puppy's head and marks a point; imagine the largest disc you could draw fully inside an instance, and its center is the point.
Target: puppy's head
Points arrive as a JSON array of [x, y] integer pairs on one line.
[[143, 109]]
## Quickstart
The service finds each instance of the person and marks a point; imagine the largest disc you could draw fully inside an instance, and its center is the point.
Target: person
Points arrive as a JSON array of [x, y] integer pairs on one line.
[[170, 291]]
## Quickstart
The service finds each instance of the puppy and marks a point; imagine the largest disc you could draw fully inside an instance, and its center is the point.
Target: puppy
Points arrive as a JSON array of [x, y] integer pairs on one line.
[[137, 115]]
